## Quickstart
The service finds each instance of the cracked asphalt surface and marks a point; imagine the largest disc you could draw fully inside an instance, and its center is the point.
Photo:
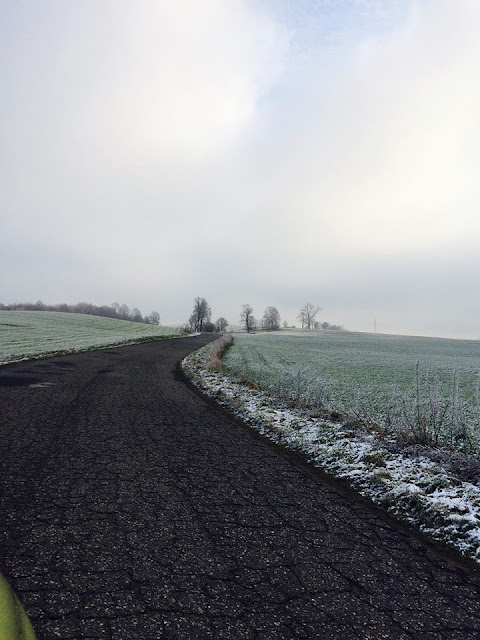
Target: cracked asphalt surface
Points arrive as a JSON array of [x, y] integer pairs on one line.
[[133, 508]]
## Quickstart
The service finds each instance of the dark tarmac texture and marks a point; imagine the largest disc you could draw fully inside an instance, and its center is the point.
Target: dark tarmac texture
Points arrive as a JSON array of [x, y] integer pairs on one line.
[[132, 508]]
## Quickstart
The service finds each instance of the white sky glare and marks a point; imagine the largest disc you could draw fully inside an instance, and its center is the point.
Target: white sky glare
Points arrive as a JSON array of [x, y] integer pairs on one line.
[[269, 152]]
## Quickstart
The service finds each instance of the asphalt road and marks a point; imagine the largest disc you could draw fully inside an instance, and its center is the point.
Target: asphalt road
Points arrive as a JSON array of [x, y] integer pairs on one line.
[[132, 508]]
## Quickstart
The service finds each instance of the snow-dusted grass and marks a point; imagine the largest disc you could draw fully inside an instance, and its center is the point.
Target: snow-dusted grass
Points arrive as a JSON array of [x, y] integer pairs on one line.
[[427, 387], [406, 481], [28, 334]]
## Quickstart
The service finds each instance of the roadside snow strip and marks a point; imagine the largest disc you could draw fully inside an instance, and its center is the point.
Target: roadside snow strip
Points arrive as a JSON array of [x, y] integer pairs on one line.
[[416, 490]]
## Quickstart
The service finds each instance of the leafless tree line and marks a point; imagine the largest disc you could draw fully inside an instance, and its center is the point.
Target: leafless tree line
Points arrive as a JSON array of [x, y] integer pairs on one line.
[[271, 319], [115, 310], [201, 319]]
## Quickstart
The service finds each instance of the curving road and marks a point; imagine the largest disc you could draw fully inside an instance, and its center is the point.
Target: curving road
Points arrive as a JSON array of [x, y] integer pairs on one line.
[[132, 508]]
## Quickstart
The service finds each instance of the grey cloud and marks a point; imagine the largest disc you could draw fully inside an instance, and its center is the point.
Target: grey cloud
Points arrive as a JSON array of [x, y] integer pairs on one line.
[[159, 154]]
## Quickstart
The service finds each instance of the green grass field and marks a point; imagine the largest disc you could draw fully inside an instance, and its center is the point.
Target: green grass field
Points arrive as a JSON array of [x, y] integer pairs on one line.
[[379, 378], [25, 334]]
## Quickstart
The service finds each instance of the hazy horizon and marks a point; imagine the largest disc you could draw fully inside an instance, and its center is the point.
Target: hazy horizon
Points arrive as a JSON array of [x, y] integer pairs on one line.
[[269, 152]]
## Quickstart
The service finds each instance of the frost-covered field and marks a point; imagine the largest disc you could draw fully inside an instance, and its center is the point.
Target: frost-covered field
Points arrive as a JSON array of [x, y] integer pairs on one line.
[[414, 383], [27, 334], [430, 492]]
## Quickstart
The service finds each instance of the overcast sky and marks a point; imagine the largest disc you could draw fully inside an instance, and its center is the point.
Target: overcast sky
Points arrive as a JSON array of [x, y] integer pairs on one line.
[[269, 152]]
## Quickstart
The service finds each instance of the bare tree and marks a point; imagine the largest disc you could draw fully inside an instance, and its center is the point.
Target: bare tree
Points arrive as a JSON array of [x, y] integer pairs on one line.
[[191, 323], [307, 315], [246, 317], [271, 319], [154, 318], [136, 315], [221, 324], [124, 312], [200, 315]]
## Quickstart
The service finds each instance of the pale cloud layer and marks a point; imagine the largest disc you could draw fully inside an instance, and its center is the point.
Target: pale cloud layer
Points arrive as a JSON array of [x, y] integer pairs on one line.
[[262, 152]]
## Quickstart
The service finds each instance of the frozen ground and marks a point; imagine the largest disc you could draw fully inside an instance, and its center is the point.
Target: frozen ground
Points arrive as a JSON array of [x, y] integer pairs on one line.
[[408, 483], [416, 384], [29, 334]]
